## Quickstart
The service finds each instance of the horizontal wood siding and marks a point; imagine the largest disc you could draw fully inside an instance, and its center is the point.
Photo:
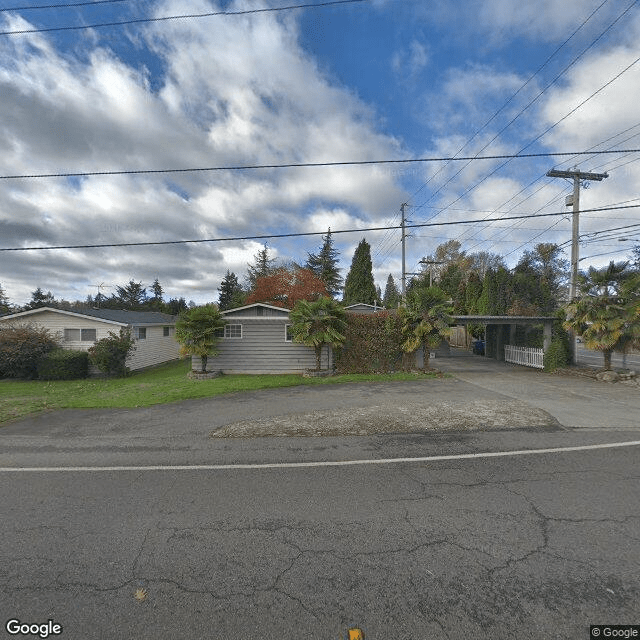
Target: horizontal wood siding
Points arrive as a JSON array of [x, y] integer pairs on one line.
[[262, 349], [56, 323], [154, 350]]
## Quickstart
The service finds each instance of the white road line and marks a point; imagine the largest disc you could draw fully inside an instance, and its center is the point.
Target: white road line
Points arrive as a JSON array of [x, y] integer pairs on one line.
[[339, 463]]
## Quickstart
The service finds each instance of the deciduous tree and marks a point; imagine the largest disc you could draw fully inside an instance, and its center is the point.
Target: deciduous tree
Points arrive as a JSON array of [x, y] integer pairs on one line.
[[284, 287]]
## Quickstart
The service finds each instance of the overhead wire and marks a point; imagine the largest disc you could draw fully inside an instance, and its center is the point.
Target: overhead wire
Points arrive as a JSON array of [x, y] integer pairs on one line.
[[208, 14], [293, 235]]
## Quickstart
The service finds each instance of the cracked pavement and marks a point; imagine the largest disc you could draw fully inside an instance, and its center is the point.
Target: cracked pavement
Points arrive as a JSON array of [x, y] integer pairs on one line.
[[531, 547]]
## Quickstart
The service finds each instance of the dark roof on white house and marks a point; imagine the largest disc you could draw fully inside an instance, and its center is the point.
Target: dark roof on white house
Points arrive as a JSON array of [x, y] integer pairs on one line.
[[120, 316]]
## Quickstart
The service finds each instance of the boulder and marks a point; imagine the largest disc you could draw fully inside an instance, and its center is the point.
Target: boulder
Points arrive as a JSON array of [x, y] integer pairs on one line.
[[607, 376]]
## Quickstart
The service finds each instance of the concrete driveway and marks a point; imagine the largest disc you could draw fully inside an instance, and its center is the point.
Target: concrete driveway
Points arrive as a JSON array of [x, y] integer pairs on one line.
[[576, 402]]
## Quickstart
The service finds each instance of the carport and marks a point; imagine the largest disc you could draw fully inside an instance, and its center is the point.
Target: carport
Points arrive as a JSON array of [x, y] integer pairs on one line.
[[500, 331]]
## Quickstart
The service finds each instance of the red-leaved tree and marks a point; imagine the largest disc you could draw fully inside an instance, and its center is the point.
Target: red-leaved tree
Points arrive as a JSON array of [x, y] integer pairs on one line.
[[284, 287]]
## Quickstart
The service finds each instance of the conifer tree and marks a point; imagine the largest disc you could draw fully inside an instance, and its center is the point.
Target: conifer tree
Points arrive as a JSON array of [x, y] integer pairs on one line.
[[132, 296], [359, 285], [391, 294], [231, 293], [325, 265], [264, 266], [4, 302]]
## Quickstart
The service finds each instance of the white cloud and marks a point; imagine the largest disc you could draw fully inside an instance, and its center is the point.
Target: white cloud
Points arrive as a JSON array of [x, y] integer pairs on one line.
[[233, 92], [411, 61]]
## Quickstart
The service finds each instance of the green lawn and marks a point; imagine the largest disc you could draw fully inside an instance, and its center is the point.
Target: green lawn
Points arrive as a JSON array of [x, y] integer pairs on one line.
[[166, 383]]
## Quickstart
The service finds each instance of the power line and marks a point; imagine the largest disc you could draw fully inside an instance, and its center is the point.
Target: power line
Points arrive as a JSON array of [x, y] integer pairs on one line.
[[290, 165], [298, 235], [59, 6], [181, 17], [531, 77], [574, 61]]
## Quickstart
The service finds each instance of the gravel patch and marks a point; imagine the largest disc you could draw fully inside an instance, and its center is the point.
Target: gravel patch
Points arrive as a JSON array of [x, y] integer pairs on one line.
[[410, 418]]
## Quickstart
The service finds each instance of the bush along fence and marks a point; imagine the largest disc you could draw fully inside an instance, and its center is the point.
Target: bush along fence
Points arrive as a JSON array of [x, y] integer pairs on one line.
[[372, 345]]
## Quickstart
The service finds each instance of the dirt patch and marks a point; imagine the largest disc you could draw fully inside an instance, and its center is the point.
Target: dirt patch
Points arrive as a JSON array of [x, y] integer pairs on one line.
[[410, 418]]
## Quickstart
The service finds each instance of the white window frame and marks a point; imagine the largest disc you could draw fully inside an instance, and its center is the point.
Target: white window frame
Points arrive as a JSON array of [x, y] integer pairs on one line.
[[288, 334], [166, 332], [227, 331], [138, 329]]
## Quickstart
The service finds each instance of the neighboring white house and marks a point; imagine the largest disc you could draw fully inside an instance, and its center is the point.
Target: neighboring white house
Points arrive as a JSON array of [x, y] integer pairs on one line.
[[154, 332], [257, 339]]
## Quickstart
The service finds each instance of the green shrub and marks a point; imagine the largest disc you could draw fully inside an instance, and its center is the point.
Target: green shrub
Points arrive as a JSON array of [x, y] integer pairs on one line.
[[372, 344], [557, 355], [110, 354], [21, 347], [63, 364]]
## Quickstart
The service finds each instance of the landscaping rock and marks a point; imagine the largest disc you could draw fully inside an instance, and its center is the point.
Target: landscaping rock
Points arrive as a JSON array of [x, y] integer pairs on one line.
[[207, 375], [607, 376]]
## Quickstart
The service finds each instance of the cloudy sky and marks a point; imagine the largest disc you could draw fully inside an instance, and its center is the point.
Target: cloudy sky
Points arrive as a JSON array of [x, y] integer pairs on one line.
[[371, 80]]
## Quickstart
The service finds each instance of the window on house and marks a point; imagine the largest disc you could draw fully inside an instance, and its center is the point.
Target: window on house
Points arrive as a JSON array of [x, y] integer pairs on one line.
[[141, 333], [233, 331], [72, 335], [166, 331], [88, 335], [288, 336]]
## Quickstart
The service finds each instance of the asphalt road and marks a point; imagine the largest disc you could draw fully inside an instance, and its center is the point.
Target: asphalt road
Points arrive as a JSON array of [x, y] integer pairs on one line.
[[535, 546], [529, 546], [590, 358]]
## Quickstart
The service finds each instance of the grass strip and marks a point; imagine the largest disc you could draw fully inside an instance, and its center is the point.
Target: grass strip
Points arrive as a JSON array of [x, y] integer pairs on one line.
[[162, 384]]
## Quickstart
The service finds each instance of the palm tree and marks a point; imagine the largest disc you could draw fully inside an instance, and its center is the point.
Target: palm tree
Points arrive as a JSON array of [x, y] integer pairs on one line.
[[196, 331], [317, 323], [607, 314], [424, 326]]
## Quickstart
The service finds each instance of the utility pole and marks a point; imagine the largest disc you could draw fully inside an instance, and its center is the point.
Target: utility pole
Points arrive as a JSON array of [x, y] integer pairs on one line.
[[404, 268], [574, 200], [578, 177]]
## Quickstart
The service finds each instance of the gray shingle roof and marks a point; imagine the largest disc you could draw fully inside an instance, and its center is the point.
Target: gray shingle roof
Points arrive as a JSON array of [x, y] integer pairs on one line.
[[114, 315], [130, 317]]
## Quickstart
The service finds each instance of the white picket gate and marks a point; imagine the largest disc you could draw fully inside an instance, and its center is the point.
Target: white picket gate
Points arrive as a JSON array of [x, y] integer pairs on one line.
[[524, 356]]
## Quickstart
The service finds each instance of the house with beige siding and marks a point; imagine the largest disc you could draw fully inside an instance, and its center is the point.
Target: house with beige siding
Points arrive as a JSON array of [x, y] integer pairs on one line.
[[257, 339], [154, 332]]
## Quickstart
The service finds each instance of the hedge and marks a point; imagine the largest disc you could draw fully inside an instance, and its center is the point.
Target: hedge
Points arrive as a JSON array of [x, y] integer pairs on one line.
[[63, 364], [372, 344]]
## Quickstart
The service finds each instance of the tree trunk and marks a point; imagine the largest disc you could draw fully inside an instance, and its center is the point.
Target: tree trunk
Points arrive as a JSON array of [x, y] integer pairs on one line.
[[607, 360], [318, 356], [203, 364], [427, 354]]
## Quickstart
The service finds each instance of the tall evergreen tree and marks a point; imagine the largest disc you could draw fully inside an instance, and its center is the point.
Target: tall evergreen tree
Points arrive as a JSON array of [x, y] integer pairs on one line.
[[391, 294], [40, 299], [263, 266], [157, 290], [325, 265], [359, 285], [5, 307], [132, 296], [231, 293]]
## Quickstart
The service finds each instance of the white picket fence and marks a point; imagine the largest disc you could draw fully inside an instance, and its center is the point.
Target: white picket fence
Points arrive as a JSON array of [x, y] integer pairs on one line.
[[524, 356]]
